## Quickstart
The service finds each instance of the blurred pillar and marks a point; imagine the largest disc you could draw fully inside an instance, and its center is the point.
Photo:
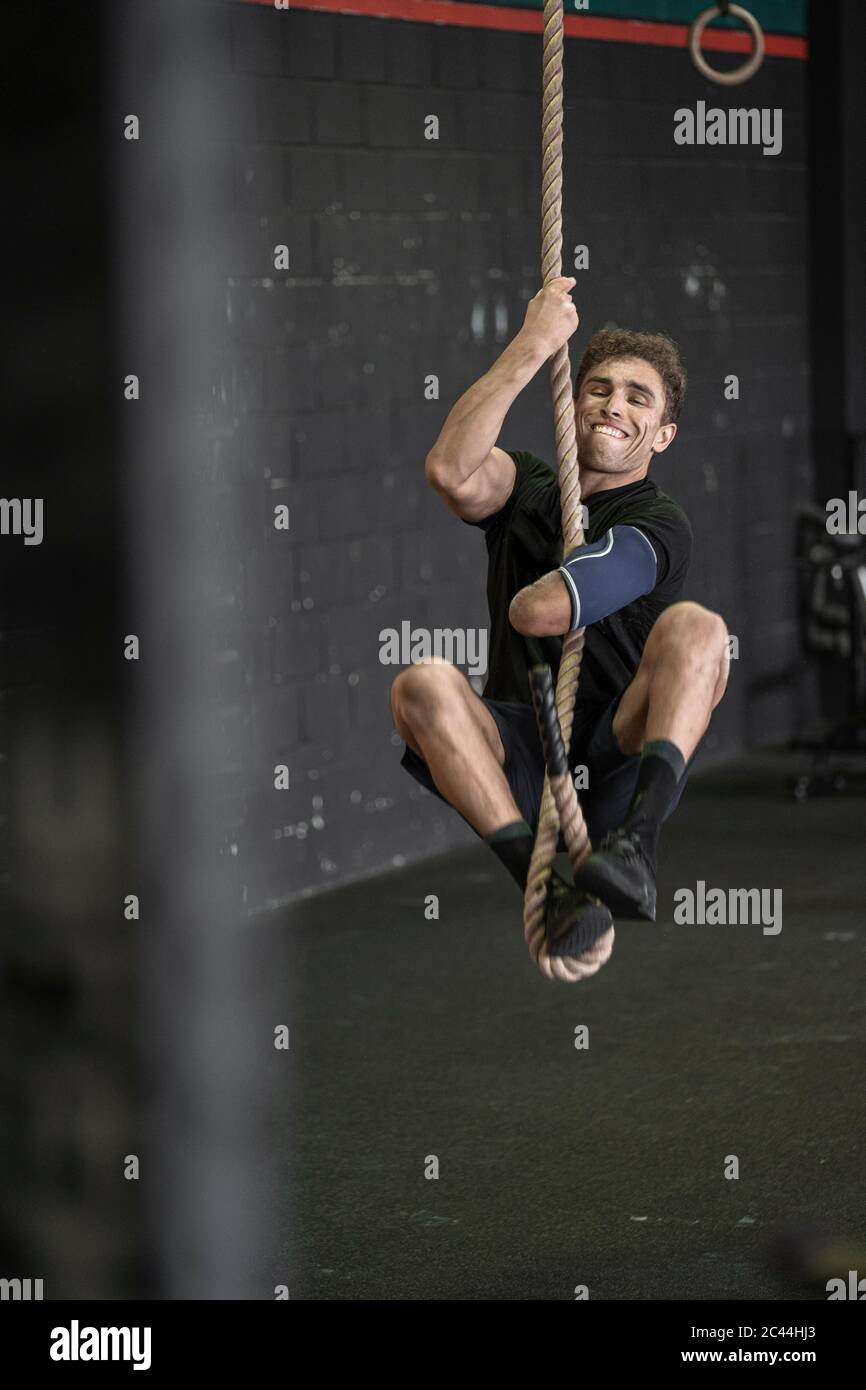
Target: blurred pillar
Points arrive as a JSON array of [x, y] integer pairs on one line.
[[210, 1024]]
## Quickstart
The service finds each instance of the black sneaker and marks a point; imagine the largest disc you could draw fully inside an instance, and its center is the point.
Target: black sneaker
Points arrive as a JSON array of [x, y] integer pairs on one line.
[[571, 922], [620, 873]]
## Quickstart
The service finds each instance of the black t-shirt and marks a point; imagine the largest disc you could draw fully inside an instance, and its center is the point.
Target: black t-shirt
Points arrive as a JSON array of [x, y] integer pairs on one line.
[[524, 541]]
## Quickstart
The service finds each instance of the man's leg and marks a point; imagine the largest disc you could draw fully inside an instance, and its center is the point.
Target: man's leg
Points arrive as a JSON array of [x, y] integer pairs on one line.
[[680, 680], [439, 716], [662, 715], [443, 721], [437, 713]]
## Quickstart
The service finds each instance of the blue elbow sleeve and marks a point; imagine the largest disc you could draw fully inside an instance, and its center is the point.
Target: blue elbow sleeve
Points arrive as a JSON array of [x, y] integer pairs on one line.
[[607, 575]]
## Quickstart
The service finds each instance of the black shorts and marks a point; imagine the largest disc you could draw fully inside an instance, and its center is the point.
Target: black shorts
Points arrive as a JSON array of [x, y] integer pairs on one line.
[[611, 774]]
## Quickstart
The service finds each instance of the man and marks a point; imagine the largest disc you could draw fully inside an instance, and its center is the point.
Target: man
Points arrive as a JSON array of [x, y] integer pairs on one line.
[[654, 667]]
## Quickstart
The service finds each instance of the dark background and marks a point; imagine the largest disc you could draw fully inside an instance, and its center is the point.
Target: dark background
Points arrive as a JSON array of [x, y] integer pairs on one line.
[[408, 257]]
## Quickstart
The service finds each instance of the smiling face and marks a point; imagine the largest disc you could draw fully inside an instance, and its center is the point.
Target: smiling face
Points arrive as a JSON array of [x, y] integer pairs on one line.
[[618, 415]]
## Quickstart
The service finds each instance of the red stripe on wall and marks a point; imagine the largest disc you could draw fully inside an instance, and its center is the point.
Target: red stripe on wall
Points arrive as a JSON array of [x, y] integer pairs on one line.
[[531, 22]]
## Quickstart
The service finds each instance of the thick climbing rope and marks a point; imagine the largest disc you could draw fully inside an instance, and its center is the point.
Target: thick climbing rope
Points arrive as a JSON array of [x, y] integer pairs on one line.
[[559, 803]]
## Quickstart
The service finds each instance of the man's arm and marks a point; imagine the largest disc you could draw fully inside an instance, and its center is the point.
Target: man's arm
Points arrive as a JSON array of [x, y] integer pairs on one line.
[[472, 476], [595, 580]]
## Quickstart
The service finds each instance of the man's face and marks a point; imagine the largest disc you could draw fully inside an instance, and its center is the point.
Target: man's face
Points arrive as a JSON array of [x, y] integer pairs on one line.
[[618, 416]]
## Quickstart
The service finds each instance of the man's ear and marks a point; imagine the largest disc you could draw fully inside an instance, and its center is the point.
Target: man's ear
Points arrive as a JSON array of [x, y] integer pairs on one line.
[[664, 438]]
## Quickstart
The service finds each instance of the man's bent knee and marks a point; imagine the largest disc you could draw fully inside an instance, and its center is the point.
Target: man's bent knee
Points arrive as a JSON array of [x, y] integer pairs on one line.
[[422, 689], [689, 624]]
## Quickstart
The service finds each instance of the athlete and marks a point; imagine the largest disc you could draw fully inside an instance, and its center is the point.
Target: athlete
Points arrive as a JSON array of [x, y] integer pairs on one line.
[[654, 666]]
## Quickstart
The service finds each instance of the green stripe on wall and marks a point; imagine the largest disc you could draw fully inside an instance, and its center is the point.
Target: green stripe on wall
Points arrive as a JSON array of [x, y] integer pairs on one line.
[[774, 16]]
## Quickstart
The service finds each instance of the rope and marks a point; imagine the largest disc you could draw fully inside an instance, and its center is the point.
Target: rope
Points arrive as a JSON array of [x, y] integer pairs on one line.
[[559, 803]]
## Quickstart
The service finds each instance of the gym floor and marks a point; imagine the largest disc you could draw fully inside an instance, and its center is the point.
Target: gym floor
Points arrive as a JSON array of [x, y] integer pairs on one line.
[[561, 1167]]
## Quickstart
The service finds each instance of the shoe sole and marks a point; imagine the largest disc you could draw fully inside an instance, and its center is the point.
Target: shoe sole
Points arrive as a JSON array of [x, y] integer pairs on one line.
[[600, 878], [579, 931]]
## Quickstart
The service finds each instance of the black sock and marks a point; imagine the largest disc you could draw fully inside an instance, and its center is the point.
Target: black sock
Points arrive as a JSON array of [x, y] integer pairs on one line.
[[661, 767], [513, 844]]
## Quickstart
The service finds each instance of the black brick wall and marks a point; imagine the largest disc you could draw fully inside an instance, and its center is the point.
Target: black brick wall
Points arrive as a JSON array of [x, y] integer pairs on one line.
[[410, 257]]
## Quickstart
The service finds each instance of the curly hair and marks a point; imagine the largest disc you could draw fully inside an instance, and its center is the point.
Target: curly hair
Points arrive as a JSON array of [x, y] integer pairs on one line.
[[656, 348]]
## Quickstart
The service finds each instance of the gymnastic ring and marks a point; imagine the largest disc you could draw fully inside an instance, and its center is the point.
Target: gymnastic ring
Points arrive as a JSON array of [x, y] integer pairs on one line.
[[753, 62]]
